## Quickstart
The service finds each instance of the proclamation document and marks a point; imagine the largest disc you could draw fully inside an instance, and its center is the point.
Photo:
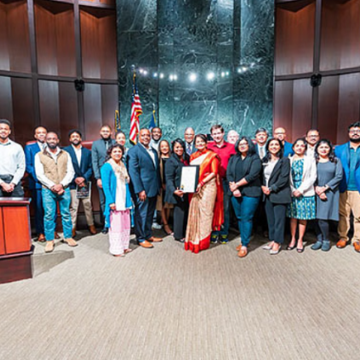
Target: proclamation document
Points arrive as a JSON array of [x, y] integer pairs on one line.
[[189, 178]]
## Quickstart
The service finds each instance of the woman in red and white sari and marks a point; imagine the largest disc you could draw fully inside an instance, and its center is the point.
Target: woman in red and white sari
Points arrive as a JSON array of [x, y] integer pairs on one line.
[[206, 205]]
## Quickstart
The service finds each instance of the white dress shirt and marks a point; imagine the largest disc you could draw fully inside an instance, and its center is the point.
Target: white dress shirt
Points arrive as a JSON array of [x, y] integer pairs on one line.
[[12, 161], [77, 153]]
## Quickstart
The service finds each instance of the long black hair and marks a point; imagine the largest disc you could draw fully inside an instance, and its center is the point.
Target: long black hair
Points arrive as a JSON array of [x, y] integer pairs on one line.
[[280, 153], [181, 142], [331, 155], [251, 145]]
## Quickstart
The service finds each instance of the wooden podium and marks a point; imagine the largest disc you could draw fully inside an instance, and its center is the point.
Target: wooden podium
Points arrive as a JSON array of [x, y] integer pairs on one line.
[[15, 240]]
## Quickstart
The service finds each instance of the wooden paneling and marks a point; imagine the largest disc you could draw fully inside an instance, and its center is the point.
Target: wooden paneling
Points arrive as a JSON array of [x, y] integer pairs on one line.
[[5, 98], [49, 105], [93, 112], [23, 109], [340, 34], [293, 104], [98, 43], [109, 103], [55, 36], [339, 102], [294, 33], [14, 37]]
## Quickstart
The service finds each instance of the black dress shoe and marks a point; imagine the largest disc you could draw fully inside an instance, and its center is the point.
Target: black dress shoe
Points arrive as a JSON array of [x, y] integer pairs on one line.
[[105, 230]]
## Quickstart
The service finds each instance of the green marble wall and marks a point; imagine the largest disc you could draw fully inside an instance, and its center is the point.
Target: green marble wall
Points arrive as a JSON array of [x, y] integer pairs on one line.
[[200, 62]]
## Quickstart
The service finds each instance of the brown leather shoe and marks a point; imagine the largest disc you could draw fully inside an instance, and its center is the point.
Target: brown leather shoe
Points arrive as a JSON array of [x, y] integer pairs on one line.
[[341, 243], [56, 236], [243, 252], [357, 246], [71, 242], [145, 244], [238, 247], [49, 247], [154, 239], [41, 238], [73, 232], [92, 230]]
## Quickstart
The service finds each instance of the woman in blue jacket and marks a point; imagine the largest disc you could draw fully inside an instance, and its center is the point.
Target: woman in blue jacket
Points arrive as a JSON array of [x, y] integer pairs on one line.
[[115, 180]]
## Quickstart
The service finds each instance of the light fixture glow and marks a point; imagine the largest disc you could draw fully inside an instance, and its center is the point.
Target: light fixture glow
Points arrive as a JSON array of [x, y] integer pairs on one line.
[[192, 77]]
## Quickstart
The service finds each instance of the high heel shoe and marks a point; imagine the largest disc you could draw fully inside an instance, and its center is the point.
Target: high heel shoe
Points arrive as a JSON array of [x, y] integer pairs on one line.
[[167, 230], [291, 247], [275, 252], [300, 250]]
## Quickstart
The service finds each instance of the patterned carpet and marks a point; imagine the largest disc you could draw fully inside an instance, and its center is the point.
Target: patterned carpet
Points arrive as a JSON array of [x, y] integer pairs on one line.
[[166, 303]]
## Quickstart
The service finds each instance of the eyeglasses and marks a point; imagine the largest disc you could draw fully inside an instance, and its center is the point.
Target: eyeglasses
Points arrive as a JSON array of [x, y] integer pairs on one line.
[[354, 131]]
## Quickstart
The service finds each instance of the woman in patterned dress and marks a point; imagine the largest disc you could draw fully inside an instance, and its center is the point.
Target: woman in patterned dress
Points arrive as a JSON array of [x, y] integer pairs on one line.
[[302, 206]]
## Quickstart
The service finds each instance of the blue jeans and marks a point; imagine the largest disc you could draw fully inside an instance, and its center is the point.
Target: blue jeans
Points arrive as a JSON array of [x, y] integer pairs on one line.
[[225, 227], [245, 208], [50, 200]]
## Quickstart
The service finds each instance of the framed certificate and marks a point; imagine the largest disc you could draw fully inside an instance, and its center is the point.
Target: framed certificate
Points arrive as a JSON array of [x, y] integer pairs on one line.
[[189, 178]]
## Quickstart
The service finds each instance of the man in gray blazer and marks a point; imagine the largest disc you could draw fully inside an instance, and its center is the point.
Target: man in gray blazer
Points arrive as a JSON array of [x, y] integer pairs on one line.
[[98, 152]]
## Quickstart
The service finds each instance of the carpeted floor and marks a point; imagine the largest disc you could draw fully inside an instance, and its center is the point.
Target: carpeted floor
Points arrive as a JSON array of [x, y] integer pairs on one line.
[[166, 303]]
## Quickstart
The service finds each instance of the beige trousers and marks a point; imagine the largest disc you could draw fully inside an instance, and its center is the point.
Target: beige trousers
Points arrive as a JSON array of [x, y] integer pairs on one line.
[[74, 206], [349, 203]]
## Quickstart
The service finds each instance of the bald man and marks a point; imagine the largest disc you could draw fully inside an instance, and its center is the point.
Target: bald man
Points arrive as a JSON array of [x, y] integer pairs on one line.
[[280, 134]]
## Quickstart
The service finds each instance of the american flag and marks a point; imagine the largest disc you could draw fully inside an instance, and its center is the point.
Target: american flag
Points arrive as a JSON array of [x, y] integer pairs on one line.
[[136, 111]]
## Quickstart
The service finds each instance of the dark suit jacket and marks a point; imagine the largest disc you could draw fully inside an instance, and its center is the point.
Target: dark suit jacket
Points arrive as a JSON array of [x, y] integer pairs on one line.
[[279, 182], [30, 151], [250, 169], [81, 170], [193, 150], [143, 174], [173, 178], [98, 151]]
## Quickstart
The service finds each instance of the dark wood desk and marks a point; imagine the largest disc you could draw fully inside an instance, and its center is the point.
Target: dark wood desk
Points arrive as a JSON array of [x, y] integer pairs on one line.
[[15, 240]]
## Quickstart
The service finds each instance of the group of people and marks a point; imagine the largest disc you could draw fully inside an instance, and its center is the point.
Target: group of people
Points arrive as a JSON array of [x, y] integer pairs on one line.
[[307, 180]]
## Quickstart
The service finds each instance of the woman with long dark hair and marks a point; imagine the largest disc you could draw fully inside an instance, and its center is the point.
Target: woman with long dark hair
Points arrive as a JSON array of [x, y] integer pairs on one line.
[[276, 189], [115, 180], [206, 204], [302, 206], [173, 194], [243, 174], [329, 175]]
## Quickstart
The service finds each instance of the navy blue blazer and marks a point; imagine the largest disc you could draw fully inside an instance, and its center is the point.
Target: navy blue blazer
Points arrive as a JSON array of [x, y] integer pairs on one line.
[[30, 151], [144, 175], [81, 170], [98, 151], [343, 153], [288, 149]]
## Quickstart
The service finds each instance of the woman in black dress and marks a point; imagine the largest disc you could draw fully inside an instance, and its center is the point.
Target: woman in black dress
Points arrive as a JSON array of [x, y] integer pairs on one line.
[[173, 195]]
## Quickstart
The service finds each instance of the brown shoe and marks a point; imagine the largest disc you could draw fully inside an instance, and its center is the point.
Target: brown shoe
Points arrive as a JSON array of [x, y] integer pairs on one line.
[[41, 238], [341, 243], [71, 242], [49, 247], [92, 230], [73, 232], [238, 247], [154, 239], [56, 236], [243, 252], [357, 246], [145, 244]]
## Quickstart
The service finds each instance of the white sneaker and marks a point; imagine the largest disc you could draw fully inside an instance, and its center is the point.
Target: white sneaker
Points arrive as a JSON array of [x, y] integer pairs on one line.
[[156, 226]]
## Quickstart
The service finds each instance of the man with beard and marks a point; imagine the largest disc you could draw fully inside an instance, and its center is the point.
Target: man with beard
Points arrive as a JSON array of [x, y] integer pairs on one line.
[[156, 134], [34, 184], [53, 168], [98, 154], [144, 171], [81, 160], [280, 134], [349, 155], [312, 138], [12, 163]]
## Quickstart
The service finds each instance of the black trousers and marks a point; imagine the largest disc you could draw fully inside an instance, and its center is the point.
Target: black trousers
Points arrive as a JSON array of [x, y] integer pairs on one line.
[[18, 190], [276, 215], [181, 209]]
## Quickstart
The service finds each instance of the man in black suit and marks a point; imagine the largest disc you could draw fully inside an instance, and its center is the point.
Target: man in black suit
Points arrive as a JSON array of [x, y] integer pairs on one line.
[[81, 160], [98, 151]]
